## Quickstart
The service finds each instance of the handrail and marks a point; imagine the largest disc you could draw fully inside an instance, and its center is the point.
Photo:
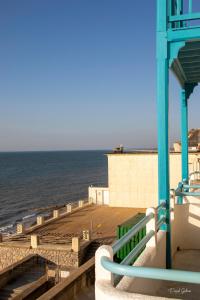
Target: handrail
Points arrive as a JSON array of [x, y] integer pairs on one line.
[[150, 273], [178, 193], [162, 205], [188, 186], [160, 222], [124, 239]]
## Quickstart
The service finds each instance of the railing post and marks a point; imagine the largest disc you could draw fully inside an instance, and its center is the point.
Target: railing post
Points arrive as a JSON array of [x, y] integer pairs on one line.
[[20, 228], [190, 6], [40, 220], [34, 241], [69, 208], [151, 225], [76, 244], [80, 203], [56, 213]]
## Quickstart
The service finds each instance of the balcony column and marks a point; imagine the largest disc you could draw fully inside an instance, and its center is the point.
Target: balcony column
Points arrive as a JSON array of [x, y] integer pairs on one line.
[[184, 135], [162, 117]]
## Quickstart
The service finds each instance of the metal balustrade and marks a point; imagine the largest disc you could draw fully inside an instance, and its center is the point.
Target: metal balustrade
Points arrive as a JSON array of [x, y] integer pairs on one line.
[[181, 13], [183, 188], [115, 267], [124, 268]]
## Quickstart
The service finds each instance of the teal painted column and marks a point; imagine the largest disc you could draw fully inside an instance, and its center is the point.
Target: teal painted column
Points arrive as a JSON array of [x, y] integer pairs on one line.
[[162, 117], [184, 134]]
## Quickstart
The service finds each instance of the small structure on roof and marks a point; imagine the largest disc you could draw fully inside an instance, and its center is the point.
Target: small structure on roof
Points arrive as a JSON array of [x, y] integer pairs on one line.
[[119, 149], [193, 141]]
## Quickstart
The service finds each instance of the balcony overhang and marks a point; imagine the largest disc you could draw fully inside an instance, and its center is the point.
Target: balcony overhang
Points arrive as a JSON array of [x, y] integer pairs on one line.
[[186, 66]]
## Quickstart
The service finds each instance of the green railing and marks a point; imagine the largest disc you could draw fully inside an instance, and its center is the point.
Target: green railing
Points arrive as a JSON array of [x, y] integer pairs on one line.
[[122, 229]]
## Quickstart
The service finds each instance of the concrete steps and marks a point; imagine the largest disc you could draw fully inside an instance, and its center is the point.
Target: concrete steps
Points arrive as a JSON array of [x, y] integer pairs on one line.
[[23, 285]]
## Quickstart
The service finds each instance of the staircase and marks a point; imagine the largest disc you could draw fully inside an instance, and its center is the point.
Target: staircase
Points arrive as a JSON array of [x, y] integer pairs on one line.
[[24, 284]]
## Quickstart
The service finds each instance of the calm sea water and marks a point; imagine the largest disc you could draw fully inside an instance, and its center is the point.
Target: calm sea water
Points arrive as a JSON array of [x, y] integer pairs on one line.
[[30, 181]]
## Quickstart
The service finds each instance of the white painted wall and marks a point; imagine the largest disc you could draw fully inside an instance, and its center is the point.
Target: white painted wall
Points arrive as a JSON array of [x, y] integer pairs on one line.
[[185, 225], [99, 195], [133, 178], [129, 288]]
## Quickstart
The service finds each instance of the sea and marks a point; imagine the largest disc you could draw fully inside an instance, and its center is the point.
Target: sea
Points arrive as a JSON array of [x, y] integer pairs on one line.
[[34, 183]]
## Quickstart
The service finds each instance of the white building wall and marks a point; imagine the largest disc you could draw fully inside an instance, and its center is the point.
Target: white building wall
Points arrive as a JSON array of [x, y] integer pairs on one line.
[[133, 178]]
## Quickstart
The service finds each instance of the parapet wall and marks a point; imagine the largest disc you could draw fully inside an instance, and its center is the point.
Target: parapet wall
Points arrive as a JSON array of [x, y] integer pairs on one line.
[[10, 254]]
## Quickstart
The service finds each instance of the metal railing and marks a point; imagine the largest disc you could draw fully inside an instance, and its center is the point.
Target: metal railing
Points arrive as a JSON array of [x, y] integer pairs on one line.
[[184, 188], [124, 268], [126, 238], [120, 269], [182, 14]]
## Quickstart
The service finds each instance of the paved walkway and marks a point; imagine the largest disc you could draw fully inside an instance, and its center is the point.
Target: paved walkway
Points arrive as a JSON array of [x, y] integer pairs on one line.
[[101, 220]]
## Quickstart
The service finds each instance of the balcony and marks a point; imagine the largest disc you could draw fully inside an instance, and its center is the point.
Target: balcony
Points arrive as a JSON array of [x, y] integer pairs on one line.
[[147, 277], [183, 34]]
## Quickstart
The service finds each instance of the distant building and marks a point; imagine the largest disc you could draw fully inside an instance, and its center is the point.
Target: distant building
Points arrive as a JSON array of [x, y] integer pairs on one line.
[[193, 141]]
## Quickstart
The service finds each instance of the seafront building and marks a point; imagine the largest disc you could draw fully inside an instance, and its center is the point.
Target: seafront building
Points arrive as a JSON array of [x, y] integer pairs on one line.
[[169, 266], [129, 172]]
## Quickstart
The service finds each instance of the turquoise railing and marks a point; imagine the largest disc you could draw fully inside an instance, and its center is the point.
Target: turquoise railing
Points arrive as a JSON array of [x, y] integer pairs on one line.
[[182, 14], [124, 269], [183, 189], [124, 239], [150, 273]]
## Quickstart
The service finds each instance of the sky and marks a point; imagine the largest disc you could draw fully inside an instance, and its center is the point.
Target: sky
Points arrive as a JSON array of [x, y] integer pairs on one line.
[[80, 74]]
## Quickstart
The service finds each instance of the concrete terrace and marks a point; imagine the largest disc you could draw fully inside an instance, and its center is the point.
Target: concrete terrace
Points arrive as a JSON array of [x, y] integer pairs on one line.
[[101, 220]]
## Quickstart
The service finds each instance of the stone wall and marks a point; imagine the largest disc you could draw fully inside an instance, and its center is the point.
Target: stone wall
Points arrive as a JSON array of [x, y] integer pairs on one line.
[[64, 258], [71, 288]]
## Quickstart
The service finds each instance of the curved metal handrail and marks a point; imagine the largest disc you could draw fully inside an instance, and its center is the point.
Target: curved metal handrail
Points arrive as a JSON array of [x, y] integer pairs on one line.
[[150, 273]]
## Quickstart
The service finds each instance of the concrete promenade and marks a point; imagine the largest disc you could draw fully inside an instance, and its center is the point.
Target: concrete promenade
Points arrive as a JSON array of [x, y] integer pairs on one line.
[[100, 220]]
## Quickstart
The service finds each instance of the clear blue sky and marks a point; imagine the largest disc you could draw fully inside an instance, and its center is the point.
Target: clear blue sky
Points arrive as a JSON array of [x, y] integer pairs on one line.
[[80, 74]]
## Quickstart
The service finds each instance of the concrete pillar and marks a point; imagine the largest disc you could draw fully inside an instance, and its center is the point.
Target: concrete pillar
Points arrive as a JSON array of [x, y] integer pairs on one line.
[[20, 228], [34, 241], [56, 213], [76, 244], [80, 203], [86, 235], [151, 225], [40, 220], [69, 208]]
